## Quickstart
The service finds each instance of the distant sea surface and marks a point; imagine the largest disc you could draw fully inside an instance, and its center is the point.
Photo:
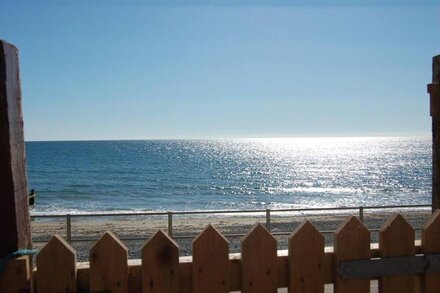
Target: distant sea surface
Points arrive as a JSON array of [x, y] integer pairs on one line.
[[161, 175]]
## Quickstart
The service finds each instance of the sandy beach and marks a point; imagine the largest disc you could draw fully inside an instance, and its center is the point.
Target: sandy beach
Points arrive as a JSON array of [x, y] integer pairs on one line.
[[86, 230]]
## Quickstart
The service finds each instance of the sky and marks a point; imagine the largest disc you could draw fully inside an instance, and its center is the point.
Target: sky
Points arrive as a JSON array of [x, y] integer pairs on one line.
[[222, 69]]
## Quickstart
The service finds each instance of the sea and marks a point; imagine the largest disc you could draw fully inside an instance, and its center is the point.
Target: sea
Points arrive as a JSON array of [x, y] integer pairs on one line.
[[81, 177]]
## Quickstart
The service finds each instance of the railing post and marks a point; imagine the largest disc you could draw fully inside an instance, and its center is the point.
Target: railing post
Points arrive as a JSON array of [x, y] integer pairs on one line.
[[434, 91], [170, 224], [68, 228], [268, 219], [361, 214]]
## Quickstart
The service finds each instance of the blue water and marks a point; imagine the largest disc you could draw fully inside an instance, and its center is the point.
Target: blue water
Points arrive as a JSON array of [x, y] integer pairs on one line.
[[100, 176]]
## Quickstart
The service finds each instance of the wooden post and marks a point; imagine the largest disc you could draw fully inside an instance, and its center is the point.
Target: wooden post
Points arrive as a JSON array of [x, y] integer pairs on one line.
[[434, 91], [14, 203]]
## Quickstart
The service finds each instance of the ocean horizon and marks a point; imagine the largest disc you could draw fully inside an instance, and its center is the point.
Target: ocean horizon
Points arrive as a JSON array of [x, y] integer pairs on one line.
[[98, 176]]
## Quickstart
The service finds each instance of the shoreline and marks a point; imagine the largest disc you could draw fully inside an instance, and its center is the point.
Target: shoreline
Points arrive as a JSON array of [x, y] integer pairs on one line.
[[143, 227]]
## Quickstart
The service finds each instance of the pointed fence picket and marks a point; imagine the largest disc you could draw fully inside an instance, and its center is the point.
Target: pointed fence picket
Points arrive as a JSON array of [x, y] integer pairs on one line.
[[108, 265], [259, 267], [160, 264], [210, 266], [396, 238], [56, 265], [259, 261], [352, 242], [306, 258]]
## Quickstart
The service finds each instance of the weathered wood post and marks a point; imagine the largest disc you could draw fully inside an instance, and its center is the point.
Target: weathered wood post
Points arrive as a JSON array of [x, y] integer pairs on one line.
[[14, 207], [434, 91]]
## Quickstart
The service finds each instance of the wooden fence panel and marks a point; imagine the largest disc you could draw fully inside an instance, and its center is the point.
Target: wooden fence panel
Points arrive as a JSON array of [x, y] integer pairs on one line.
[[258, 270], [351, 242], [396, 238], [431, 244], [259, 261], [210, 269], [56, 264], [108, 265], [306, 257], [160, 264]]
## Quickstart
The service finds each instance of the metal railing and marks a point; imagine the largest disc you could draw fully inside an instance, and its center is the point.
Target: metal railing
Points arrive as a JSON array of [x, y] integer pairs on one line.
[[170, 214]]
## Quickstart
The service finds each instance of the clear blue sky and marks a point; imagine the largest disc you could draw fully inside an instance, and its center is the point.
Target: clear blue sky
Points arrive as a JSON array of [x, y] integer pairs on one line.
[[105, 70]]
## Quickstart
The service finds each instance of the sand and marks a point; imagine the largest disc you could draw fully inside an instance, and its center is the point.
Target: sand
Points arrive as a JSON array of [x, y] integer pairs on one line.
[[86, 230]]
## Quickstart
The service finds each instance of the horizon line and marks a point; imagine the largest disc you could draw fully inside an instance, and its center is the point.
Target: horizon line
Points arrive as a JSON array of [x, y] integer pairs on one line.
[[418, 135]]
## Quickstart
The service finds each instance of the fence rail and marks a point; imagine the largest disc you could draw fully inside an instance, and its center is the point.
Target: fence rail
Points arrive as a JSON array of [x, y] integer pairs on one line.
[[268, 213]]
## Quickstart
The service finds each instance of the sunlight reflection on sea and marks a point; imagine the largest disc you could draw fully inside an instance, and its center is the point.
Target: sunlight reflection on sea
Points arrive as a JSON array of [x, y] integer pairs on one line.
[[159, 175]]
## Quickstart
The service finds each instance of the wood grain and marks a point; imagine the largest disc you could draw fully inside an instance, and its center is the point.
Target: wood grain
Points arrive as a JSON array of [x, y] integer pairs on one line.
[[160, 264], [396, 238], [306, 258], [108, 265], [14, 205], [259, 261], [56, 264], [351, 242], [210, 262]]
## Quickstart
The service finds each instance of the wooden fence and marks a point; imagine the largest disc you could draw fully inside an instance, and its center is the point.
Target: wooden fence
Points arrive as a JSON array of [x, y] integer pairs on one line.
[[306, 267]]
